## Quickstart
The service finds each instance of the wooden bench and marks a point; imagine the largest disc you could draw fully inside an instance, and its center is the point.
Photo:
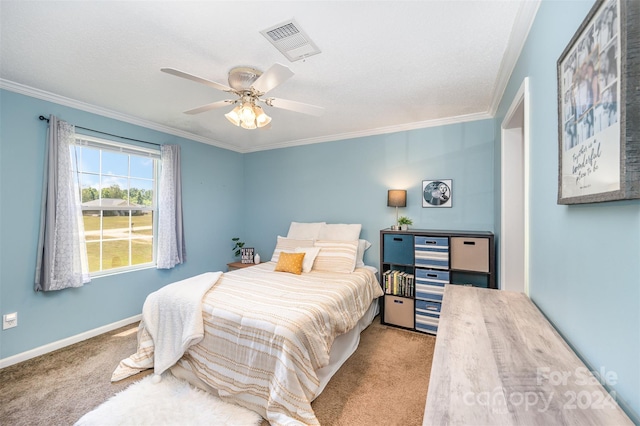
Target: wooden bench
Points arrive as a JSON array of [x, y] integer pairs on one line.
[[498, 361]]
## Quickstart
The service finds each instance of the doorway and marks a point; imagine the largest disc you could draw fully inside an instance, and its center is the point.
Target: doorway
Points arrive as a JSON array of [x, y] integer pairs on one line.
[[514, 194]]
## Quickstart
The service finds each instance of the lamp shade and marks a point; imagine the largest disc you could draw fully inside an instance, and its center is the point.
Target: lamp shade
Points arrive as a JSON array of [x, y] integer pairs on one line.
[[233, 116], [397, 198]]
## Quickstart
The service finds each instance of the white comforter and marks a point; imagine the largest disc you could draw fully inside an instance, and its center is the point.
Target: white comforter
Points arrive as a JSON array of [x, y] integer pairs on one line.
[[173, 318], [266, 334]]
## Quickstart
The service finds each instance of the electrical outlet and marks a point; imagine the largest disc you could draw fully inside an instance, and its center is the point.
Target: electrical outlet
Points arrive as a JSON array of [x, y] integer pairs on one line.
[[9, 320]]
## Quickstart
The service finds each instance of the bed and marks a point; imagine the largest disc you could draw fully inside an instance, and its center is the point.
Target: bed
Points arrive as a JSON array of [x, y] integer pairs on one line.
[[273, 339]]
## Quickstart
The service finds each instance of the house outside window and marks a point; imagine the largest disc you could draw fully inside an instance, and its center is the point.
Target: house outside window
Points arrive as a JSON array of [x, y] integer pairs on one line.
[[118, 185]]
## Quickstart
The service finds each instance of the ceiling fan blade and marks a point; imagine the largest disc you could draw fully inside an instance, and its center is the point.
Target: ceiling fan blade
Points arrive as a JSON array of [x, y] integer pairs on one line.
[[272, 77], [296, 106], [210, 106], [197, 79]]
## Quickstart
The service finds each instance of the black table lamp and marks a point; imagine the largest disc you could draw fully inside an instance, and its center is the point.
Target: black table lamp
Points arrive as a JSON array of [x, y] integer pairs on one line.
[[397, 198]]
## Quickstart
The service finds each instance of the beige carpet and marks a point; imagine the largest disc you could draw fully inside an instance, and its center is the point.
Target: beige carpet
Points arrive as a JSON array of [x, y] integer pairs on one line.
[[383, 383], [60, 387]]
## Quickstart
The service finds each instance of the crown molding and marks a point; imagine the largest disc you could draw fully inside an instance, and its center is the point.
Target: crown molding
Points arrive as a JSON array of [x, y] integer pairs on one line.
[[521, 27], [72, 103], [377, 131]]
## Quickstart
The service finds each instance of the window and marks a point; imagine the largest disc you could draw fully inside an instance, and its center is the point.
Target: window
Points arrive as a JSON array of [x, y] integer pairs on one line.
[[118, 185]]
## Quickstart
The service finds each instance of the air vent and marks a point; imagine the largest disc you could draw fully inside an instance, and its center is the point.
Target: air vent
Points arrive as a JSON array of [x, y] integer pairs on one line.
[[291, 40]]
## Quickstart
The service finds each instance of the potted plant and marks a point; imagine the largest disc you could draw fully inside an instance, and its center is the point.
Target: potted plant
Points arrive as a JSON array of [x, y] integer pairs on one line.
[[236, 248], [404, 223]]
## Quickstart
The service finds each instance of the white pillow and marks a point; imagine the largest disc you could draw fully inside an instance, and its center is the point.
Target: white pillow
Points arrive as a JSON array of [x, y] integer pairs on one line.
[[363, 245], [340, 232], [310, 254], [288, 244], [336, 256], [304, 231]]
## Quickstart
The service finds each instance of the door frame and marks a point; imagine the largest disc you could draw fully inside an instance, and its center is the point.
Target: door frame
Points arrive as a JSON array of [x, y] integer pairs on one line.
[[519, 105]]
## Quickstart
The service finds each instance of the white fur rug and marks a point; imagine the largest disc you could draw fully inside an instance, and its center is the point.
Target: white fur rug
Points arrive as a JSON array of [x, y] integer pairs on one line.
[[168, 402]]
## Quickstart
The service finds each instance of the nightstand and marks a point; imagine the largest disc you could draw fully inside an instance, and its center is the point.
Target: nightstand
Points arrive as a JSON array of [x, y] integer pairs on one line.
[[238, 265]]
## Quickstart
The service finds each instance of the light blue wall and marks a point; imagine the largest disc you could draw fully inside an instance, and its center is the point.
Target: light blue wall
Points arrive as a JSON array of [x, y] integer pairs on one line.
[[585, 265], [347, 182], [212, 188], [585, 259]]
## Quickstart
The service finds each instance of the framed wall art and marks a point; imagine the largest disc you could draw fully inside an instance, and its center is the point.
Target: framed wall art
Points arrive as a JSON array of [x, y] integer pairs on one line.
[[246, 255], [598, 107], [437, 193]]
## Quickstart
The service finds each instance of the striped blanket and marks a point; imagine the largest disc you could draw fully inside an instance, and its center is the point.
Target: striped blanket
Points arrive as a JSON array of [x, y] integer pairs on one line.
[[266, 334]]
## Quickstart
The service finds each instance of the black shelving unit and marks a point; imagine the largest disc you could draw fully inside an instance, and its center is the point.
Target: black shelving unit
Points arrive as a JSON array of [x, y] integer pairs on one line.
[[416, 264]]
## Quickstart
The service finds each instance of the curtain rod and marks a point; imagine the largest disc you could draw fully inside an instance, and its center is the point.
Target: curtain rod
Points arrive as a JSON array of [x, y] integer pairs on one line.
[[43, 118]]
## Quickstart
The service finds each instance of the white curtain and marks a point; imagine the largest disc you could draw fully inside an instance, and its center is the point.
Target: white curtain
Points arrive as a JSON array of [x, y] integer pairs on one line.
[[62, 253], [171, 247]]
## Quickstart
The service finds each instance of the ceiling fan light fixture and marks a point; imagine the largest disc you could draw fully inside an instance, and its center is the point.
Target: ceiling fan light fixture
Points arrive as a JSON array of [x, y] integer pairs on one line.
[[250, 84], [249, 125], [233, 116], [246, 113], [262, 119]]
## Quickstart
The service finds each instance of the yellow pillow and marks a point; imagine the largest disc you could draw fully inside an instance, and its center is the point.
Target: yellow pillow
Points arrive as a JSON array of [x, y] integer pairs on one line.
[[290, 262]]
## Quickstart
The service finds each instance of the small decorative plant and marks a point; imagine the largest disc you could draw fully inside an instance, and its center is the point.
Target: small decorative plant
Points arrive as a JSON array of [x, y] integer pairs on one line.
[[236, 248], [403, 220], [404, 223]]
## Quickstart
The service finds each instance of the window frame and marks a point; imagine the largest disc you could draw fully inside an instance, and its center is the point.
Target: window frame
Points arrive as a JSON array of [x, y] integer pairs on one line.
[[85, 141]]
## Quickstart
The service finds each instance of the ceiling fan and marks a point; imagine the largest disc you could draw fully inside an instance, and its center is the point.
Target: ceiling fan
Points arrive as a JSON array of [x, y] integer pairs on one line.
[[250, 85]]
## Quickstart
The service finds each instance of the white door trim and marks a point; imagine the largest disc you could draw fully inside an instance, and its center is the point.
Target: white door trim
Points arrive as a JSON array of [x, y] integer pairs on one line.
[[521, 100]]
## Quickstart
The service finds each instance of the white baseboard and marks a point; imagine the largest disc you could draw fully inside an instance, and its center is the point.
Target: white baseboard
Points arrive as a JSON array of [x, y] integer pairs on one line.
[[5, 362]]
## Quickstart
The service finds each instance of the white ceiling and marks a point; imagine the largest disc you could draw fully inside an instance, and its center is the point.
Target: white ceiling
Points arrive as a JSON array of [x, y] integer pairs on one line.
[[385, 65]]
